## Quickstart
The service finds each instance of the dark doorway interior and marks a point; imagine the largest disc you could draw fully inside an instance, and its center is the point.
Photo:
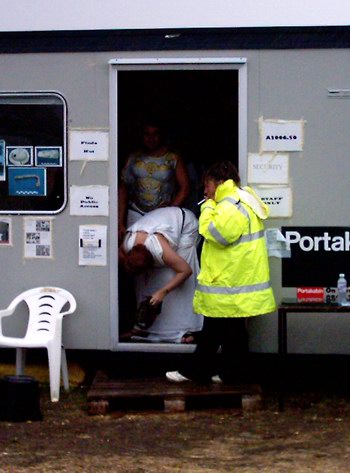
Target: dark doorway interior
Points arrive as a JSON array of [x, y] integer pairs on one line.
[[199, 112], [199, 109]]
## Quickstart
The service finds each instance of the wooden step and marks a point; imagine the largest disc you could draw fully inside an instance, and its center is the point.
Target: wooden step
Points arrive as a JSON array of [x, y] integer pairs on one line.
[[103, 390]]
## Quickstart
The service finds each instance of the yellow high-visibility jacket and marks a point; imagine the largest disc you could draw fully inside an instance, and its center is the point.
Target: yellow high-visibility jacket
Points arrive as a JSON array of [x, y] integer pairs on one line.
[[234, 280]]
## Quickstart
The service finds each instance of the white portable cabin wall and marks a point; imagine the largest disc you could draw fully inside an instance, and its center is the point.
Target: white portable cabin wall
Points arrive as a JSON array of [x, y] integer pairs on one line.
[[288, 72]]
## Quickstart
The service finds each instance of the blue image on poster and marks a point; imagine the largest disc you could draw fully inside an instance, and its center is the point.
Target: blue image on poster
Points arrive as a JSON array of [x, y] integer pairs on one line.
[[27, 181], [2, 161], [48, 156]]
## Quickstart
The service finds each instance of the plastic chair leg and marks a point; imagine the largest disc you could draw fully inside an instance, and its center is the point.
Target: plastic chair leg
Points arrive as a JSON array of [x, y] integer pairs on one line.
[[64, 370], [54, 356], [20, 360]]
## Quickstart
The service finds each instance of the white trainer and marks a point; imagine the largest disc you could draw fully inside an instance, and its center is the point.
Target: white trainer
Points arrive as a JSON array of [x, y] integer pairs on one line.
[[176, 377], [216, 379]]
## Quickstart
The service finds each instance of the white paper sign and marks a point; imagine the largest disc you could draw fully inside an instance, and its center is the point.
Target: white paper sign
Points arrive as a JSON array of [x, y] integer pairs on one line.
[[268, 168], [38, 238], [92, 245], [89, 200], [277, 244], [278, 198], [281, 135], [88, 145]]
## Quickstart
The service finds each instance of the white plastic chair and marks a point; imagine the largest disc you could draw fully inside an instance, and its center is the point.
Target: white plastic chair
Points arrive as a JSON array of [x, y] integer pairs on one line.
[[44, 330]]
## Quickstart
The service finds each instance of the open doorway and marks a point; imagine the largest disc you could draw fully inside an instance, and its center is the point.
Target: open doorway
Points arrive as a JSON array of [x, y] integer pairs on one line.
[[197, 108], [200, 108]]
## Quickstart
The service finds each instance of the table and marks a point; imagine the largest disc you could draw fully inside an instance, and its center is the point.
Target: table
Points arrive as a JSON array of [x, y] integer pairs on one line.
[[296, 307]]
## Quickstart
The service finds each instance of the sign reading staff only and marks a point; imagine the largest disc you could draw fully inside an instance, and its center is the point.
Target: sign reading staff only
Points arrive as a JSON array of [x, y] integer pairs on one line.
[[278, 198]]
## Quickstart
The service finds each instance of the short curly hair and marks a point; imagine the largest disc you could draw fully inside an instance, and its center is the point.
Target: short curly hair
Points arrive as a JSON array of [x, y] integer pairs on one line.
[[138, 260], [222, 171]]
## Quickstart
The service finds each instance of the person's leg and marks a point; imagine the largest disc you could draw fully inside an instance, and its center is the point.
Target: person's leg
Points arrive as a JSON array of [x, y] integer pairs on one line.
[[234, 344], [201, 365]]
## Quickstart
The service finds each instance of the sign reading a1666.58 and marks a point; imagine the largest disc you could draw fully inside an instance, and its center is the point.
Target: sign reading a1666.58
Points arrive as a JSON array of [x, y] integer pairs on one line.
[[281, 135], [318, 255]]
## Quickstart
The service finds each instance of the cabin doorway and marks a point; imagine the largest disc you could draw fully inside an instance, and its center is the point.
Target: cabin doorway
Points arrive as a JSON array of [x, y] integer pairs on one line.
[[202, 106]]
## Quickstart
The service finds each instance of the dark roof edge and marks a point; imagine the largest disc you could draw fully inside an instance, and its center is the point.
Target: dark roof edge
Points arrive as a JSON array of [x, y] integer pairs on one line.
[[298, 37]]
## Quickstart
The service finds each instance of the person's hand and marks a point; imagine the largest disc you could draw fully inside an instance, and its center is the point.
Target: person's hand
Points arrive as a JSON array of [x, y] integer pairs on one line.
[[158, 296], [207, 201]]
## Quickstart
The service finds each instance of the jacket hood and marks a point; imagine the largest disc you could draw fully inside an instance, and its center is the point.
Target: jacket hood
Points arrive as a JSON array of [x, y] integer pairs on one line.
[[250, 198], [245, 195]]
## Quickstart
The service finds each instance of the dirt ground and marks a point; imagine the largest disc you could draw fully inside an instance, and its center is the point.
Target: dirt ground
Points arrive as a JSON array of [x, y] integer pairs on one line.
[[311, 435]]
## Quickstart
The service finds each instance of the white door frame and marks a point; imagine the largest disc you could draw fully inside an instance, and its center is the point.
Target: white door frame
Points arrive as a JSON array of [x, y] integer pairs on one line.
[[159, 63]]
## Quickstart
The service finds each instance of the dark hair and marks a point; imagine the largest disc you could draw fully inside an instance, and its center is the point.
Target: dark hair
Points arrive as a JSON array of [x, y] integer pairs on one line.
[[155, 122], [138, 260], [222, 171]]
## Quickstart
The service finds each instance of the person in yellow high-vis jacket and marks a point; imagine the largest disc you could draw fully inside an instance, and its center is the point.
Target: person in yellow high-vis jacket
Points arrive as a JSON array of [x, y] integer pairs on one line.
[[234, 280]]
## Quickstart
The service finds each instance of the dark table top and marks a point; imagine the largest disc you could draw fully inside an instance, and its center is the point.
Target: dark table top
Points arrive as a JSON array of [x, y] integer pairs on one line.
[[292, 305]]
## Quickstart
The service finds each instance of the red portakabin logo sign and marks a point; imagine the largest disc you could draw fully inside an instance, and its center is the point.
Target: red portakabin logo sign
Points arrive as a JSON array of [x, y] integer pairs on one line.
[[310, 294]]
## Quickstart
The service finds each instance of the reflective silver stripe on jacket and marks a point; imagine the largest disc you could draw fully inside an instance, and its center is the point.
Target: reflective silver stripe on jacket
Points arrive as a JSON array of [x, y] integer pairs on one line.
[[217, 235], [239, 206], [250, 237], [233, 290], [244, 238]]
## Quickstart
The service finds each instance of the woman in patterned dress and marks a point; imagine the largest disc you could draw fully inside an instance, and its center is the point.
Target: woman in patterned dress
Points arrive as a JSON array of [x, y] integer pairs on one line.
[[152, 177]]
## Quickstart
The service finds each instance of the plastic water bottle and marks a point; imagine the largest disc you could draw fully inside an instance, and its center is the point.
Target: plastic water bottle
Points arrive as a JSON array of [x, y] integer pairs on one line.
[[342, 287]]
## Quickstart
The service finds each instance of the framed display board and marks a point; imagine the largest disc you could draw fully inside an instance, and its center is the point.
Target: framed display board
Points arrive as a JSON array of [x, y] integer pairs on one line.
[[33, 176]]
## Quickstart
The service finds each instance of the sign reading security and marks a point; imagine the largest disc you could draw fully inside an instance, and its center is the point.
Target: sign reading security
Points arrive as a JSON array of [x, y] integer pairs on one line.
[[318, 255], [268, 168]]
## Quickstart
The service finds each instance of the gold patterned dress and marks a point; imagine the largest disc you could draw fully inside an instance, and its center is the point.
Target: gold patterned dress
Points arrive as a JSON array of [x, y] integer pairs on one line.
[[150, 181]]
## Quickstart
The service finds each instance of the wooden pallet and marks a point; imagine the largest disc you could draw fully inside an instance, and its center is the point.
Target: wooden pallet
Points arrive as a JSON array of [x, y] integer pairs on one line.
[[105, 390]]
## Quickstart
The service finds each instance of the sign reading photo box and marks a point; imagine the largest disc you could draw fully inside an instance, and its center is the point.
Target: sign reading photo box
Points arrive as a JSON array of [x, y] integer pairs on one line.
[[318, 255]]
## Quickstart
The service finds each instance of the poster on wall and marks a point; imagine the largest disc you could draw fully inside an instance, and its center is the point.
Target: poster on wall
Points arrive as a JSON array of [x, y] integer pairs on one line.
[[25, 182], [48, 156], [92, 245], [5, 231], [318, 256], [38, 238], [268, 168], [89, 200], [278, 198], [281, 135], [19, 155], [33, 153], [88, 145]]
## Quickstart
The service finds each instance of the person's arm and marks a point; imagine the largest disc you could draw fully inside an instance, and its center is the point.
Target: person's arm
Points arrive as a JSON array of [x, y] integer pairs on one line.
[[122, 210], [181, 268], [221, 223], [182, 183]]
